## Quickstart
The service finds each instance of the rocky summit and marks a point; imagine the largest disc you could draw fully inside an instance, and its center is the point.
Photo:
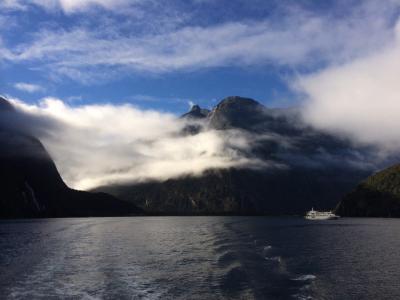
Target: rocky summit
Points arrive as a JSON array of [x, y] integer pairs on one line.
[[237, 112], [196, 113]]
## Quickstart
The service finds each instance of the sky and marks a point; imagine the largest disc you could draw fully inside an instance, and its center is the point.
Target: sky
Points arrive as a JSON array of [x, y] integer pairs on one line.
[[165, 54], [89, 64]]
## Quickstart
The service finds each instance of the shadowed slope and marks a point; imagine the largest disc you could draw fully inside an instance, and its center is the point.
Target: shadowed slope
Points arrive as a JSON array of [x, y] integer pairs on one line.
[[377, 196], [31, 186]]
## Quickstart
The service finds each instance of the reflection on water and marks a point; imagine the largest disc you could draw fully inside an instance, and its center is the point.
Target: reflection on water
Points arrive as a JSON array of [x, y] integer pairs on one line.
[[199, 258]]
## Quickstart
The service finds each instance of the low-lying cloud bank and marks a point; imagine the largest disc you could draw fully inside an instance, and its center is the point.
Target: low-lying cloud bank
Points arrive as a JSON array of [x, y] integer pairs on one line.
[[360, 99], [94, 145]]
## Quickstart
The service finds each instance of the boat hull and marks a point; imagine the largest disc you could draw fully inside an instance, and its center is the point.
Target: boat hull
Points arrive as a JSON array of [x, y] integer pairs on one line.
[[319, 218]]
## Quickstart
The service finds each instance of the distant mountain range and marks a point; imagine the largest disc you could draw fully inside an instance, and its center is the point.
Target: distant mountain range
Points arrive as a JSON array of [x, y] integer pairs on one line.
[[30, 185], [304, 167], [300, 167]]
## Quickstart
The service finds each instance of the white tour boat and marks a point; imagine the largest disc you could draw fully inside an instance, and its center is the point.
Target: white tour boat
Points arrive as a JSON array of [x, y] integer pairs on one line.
[[320, 215]]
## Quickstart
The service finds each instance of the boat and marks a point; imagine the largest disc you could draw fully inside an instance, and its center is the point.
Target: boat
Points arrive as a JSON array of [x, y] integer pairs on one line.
[[320, 215]]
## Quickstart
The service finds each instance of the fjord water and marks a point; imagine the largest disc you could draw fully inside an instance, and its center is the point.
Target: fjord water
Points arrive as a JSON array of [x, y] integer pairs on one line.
[[199, 258]]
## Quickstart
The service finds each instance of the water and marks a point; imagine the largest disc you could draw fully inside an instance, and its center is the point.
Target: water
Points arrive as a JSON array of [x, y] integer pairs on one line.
[[199, 258]]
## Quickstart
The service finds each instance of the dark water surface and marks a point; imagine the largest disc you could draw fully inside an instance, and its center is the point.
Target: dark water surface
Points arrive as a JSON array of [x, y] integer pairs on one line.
[[200, 258]]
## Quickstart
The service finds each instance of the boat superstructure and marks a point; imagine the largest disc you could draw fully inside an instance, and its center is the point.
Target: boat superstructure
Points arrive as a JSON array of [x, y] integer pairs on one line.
[[320, 215]]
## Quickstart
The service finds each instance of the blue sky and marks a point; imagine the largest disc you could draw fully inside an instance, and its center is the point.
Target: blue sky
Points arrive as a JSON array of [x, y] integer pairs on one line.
[[165, 54]]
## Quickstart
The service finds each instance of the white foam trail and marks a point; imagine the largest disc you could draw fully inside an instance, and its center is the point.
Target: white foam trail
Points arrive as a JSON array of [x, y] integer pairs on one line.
[[274, 258], [307, 277], [267, 248], [302, 297]]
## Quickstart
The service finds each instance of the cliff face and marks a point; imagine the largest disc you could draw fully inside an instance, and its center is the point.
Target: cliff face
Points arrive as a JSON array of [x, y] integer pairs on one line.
[[30, 185], [316, 169], [377, 196]]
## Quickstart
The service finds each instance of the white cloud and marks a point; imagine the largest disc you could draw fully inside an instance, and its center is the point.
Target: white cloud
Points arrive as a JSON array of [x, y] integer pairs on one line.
[[299, 38], [98, 144], [12, 5], [360, 98], [72, 6], [29, 87], [67, 6]]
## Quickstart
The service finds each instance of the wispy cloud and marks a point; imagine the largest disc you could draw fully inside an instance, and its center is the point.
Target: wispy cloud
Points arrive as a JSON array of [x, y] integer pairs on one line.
[[13, 5], [67, 6], [29, 87], [300, 39], [71, 6]]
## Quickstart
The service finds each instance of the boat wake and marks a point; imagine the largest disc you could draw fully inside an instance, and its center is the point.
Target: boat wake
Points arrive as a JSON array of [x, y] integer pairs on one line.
[[308, 277]]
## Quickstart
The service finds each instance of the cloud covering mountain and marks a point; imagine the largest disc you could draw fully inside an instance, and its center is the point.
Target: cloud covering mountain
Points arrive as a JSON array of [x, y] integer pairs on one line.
[[99, 144]]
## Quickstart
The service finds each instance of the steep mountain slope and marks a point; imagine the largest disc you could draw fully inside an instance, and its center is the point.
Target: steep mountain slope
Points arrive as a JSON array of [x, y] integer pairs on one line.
[[377, 196], [304, 168], [30, 185]]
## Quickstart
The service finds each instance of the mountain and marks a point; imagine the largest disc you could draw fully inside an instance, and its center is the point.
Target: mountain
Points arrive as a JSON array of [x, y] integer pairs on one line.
[[377, 196], [30, 185], [237, 112], [196, 113], [303, 167]]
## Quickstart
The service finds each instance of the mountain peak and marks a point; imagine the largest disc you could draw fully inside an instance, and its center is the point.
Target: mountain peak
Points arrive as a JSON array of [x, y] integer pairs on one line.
[[196, 112], [195, 108], [237, 112], [239, 101]]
